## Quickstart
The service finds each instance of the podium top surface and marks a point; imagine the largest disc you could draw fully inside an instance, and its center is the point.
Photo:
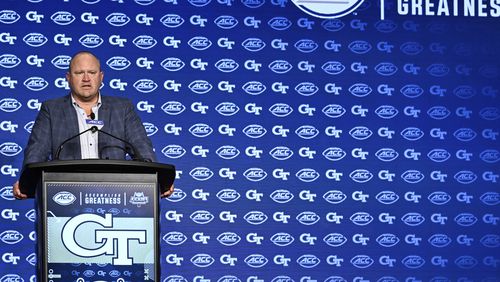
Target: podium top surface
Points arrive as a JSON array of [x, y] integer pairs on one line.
[[32, 173]]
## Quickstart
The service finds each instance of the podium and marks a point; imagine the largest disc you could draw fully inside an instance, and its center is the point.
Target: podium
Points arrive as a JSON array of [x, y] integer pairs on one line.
[[97, 220]]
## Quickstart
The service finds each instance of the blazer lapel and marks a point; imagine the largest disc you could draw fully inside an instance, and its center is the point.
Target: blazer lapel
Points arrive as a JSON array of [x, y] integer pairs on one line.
[[104, 114], [72, 126]]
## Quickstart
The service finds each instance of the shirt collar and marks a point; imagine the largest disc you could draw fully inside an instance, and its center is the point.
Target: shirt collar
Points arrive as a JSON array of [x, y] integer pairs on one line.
[[98, 104]]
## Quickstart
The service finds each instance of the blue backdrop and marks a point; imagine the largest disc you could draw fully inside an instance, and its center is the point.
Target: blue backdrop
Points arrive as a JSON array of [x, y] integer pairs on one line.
[[307, 149]]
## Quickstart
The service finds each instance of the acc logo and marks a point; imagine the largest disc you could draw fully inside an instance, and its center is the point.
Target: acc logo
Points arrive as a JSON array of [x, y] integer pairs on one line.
[[255, 174], [253, 3], [361, 175], [279, 23], [253, 44], [386, 111], [464, 92], [334, 153], [226, 22], [360, 90], [9, 61], [465, 134], [387, 240], [11, 237], [255, 217], [412, 133], [11, 277], [9, 105], [280, 66], [490, 156], [173, 151], [439, 198], [306, 45], [466, 262], [174, 238], [200, 86], [9, 16], [362, 261], [227, 108], [386, 154], [281, 153], [306, 88], [413, 261], [228, 195], [202, 260], [173, 107], [307, 175], [465, 177], [438, 112], [199, 43], [439, 155], [201, 217], [254, 131], [117, 19], [172, 64], [465, 219], [335, 239], [328, 9], [118, 63], [10, 149], [333, 67], [387, 197], [201, 173], [144, 42], [61, 62], [256, 260], [201, 130], [489, 113], [35, 83], [333, 110], [489, 240], [199, 3], [227, 152], [308, 261], [91, 40], [254, 87], [386, 69], [228, 238], [333, 25], [360, 47], [438, 70], [361, 218], [412, 90], [172, 20], [62, 18], [413, 219], [387, 279], [307, 218], [307, 132], [360, 132], [412, 176], [35, 39], [412, 48], [64, 198], [282, 239], [281, 196], [439, 240], [226, 65], [490, 198], [334, 196], [280, 109], [145, 85]]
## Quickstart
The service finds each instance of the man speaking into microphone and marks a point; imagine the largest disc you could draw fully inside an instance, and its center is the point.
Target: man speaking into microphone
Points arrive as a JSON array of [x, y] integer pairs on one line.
[[67, 128]]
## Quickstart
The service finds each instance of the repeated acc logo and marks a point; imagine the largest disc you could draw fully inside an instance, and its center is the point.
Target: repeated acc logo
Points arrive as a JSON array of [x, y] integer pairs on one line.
[[361, 218], [412, 90], [307, 175], [282, 239], [255, 217], [226, 22], [466, 262], [490, 156], [254, 87], [144, 42], [10, 149], [465, 177], [281, 109], [361, 175], [202, 260], [173, 151], [199, 3], [308, 261], [117, 19], [334, 196], [91, 40], [9, 16], [465, 219], [201, 173], [172, 20], [439, 155], [9, 61], [438, 112], [226, 65], [465, 134], [35, 39], [253, 44], [489, 113], [334, 153], [174, 238], [279, 23], [118, 63], [439, 197], [308, 218], [412, 176], [411, 48], [333, 67], [227, 152], [360, 132], [412, 133], [64, 198], [306, 88], [281, 153], [201, 217], [172, 64], [306, 45], [334, 110], [35, 83], [413, 219], [464, 92], [199, 43], [227, 108], [335, 239], [439, 240], [228, 238], [438, 70], [256, 260], [145, 85], [255, 174], [173, 107], [386, 111], [228, 195], [200, 86], [62, 18], [386, 154], [413, 261], [11, 237], [360, 47], [307, 132], [61, 62], [9, 105], [254, 131], [488, 240], [361, 261], [387, 197], [490, 198], [386, 69], [360, 89], [387, 240], [281, 196]]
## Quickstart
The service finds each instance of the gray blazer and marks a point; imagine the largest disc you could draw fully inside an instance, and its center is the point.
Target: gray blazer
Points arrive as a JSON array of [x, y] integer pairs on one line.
[[58, 121]]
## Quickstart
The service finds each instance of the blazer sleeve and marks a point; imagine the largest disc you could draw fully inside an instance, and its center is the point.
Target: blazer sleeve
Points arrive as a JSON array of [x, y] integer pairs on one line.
[[39, 147], [136, 134]]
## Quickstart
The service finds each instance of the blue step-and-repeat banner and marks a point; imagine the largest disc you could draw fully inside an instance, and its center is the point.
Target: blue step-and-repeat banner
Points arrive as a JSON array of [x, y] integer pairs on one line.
[[362, 147]]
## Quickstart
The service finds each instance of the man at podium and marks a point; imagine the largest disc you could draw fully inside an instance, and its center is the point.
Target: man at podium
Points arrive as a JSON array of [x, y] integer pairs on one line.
[[67, 128]]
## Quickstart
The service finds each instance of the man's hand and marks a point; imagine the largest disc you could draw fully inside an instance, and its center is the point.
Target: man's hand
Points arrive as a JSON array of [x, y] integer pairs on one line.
[[16, 190], [169, 192]]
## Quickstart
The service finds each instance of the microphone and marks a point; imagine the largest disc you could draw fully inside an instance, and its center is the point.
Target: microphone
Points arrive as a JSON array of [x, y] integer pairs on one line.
[[93, 129], [135, 155], [92, 115]]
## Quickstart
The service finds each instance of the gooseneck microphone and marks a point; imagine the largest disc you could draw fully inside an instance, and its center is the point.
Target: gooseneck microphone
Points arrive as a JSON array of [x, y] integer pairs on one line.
[[93, 129]]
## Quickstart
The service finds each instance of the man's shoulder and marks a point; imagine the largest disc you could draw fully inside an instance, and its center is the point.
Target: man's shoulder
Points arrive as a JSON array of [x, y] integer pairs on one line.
[[114, 100], [57, 101]]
